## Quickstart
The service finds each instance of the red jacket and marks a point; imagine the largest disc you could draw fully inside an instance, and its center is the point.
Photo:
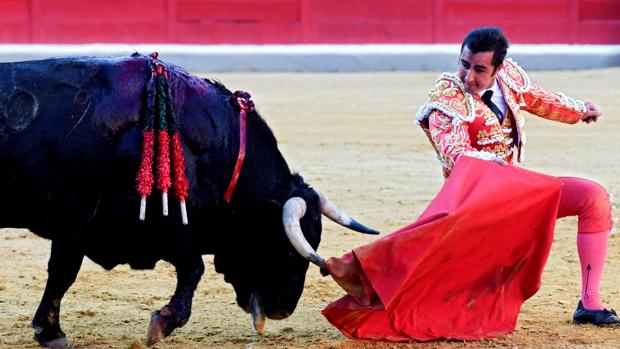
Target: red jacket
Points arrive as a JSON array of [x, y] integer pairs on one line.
[[458, 123]]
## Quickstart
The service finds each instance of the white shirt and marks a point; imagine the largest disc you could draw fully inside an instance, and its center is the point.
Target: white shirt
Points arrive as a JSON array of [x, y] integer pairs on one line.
[[497, 98]]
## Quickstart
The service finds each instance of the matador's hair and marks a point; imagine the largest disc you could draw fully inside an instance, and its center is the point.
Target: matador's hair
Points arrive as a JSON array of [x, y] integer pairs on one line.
[[487, 39]]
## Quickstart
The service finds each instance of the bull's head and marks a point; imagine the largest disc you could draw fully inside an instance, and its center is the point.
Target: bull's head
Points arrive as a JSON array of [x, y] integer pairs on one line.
[[268, 277], [301, 220]]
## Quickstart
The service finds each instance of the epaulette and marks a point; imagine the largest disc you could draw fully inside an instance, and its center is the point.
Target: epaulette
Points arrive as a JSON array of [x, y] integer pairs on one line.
[[514, 76], [449, 97]]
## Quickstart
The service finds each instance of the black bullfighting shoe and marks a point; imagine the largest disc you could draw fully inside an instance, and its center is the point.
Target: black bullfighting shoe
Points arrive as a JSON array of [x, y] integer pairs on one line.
[[597, 317]]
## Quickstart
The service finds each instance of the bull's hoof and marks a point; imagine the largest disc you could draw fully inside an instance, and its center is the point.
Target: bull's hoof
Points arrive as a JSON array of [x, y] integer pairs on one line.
[[160, 325], [57, 343], [55, 339]]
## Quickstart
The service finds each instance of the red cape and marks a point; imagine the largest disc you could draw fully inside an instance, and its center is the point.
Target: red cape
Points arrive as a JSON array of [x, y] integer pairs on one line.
[[461, 270]]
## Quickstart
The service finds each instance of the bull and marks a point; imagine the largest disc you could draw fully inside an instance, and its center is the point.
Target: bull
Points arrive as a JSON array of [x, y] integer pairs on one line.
[[71, 143]]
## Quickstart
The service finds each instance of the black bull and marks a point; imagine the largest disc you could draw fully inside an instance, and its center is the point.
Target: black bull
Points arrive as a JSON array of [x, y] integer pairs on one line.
[[70, 147]]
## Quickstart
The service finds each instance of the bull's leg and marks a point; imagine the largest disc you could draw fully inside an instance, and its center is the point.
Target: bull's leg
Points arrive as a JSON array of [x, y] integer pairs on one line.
[[63, 267], [189, 267]]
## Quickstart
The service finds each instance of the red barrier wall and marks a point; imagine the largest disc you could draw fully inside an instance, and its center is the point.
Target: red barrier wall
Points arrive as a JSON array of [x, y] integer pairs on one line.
[[305, 21]]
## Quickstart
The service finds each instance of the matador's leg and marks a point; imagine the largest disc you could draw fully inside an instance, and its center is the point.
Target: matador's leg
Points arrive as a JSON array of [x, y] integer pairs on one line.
[[590, 202]]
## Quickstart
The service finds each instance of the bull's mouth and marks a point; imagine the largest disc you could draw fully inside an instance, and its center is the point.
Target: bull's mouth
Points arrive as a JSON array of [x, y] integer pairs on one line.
[[279, 316]]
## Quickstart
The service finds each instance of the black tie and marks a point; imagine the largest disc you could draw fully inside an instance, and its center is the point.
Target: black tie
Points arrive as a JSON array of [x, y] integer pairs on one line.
[[486, 98]]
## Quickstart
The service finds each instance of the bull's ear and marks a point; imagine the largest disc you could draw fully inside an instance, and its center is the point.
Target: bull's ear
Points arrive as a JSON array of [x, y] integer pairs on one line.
[[275, 204]]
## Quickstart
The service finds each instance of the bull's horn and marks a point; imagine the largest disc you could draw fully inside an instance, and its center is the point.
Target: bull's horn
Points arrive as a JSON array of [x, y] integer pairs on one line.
[[331, 211], [258, 313], [293, 210]]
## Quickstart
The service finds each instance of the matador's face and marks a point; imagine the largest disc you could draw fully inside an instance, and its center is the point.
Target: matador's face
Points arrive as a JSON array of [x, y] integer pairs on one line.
[[476, 70]]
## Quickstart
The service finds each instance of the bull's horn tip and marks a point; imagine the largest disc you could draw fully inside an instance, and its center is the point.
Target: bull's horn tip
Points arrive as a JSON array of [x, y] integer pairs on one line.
[[362, 228], [317, 260]]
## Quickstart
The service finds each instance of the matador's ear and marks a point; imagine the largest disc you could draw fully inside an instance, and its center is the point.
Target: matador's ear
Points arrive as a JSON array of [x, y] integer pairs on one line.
[[499, 67]]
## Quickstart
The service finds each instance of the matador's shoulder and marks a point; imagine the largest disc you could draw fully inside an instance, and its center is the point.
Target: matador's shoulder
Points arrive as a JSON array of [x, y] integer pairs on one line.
[[514, 76], [449, 97]]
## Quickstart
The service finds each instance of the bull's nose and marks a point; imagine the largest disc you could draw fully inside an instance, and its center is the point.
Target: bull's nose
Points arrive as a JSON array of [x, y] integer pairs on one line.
[[279, 315]]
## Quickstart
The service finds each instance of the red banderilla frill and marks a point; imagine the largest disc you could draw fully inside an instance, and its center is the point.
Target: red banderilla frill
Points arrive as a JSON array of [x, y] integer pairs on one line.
[[159, 100]]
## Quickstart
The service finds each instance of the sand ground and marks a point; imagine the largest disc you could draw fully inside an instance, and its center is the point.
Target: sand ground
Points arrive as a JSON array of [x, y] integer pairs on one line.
[[353, 136]]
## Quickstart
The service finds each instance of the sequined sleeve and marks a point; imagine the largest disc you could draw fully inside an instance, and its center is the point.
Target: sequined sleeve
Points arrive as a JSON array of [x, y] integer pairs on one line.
[[451, 140], [553, 106]]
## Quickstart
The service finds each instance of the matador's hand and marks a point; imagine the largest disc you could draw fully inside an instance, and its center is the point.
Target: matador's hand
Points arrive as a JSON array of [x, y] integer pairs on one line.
[[593, 113]]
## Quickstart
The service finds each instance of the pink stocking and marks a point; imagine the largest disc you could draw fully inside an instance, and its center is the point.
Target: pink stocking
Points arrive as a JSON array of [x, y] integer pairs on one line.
[[589, 201], [592, 250]]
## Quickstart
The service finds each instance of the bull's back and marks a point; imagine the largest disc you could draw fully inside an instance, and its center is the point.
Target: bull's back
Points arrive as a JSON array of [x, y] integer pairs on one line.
[[50, 99], [63, 125]]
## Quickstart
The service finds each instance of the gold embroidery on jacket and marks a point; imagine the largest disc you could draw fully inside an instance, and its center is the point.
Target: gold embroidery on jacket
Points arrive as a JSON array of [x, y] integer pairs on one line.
[[460, 124]]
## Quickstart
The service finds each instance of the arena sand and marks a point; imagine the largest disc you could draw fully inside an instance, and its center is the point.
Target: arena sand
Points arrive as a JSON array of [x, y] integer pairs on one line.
[[353, 136]]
